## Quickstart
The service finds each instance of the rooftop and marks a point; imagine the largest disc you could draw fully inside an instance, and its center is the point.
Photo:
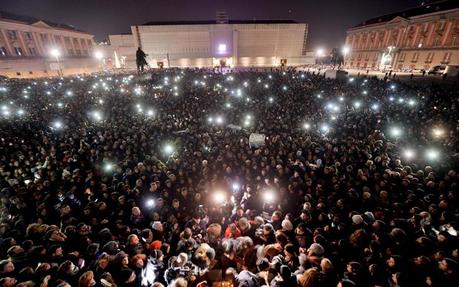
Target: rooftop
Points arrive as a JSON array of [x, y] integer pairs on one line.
[[433, 7], [210, 22], [31, 20]]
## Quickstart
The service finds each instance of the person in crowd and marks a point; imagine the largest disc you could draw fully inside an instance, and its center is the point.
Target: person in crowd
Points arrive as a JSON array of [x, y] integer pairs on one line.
[[114, 179]]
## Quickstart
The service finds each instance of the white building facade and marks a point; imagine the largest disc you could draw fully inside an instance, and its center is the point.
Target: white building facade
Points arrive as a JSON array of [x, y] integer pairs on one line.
[[415, 39], [26, 44], [208, 44]]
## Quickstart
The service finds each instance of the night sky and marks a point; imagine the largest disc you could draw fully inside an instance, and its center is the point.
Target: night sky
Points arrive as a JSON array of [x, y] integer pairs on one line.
[[327, 19]]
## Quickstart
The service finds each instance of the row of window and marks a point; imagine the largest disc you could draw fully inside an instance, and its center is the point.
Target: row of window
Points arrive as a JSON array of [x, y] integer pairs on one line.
[[13, 35], [429, 57], [380, 39], [183, 50], [33, 52]]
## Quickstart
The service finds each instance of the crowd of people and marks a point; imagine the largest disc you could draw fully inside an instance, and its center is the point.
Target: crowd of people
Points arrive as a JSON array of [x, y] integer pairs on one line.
[[154, 180]]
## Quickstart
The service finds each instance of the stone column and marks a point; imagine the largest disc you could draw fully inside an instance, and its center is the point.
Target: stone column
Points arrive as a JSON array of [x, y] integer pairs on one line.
[[8, 47]]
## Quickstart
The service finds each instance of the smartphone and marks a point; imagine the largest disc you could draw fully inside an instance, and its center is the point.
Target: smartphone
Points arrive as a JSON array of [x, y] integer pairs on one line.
[[81, 263]]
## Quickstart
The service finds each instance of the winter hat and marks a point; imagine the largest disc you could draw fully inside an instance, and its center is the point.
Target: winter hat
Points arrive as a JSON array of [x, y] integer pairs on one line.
[[155, 245], [285, 272], [125, 274], [287, 225], [156, 225], [357, 219], [214, 230], [370, 216], [316, 249], [289, 248]]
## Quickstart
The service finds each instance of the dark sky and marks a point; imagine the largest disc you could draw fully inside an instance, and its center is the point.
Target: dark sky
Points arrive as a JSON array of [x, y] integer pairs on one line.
[[327, 19]]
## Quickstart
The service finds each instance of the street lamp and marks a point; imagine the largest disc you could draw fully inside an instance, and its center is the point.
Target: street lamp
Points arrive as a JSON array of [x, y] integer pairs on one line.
[[56, 54], [320, 53], [345, 50], [99, 56]]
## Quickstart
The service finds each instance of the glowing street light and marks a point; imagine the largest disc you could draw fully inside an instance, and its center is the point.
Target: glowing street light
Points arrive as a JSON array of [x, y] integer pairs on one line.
[[357, 104], [320, 52], [307, 126], [99, 55], [375, 107], [56, 54], [150, 113], [345, 50]]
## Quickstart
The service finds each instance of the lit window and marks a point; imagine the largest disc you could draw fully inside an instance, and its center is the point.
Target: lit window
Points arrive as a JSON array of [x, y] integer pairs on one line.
[[12, 35], [18, 51]]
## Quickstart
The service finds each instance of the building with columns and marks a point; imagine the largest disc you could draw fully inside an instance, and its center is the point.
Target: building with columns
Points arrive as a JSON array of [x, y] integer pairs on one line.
[[415, 39], [222, 42], [26, 44]]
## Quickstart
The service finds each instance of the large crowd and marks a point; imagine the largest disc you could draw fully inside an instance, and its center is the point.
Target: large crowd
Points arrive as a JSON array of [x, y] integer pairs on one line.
[[191, 177]]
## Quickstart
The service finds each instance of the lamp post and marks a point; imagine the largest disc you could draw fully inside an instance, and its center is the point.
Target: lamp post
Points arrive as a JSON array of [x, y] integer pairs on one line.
[[345, 51], [320, 53], [99, 56], [56, 53]]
